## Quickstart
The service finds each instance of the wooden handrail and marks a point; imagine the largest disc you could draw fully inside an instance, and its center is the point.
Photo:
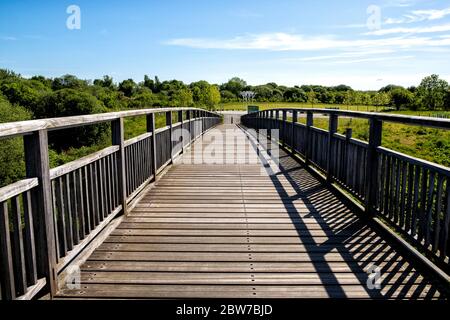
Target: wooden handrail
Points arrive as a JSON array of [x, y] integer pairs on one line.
[[438, 123], [18, 128]]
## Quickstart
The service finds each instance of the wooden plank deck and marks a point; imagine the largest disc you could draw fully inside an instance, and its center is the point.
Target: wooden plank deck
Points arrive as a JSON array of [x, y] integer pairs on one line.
[[238, 230]]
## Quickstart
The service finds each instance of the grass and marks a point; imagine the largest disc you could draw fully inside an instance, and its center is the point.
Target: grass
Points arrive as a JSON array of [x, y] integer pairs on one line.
[[424, 143]]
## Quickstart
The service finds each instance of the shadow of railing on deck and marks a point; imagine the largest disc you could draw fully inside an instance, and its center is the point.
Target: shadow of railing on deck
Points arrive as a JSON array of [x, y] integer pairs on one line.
[[359, 246]]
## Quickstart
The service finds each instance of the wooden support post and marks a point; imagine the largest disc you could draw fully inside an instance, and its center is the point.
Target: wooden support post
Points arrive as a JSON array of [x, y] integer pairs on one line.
[[180, 119], [284, 133], [269, 127], [375, 138], [332, 129], [188, 120], [151, 128], [309, 124], [117, 135], [37, 165], [294, 121]]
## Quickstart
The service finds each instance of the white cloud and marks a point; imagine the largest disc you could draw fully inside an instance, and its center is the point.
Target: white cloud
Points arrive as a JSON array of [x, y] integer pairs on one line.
[[298, 42], [412, 30], [399, 3], [419, 16]]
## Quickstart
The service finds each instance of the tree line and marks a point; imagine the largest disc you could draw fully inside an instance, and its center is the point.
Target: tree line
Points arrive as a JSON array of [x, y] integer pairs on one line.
[[432, 93]]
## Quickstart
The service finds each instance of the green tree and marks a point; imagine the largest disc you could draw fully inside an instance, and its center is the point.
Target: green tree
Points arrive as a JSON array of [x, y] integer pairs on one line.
[[235, 85], [401, 98], [128, 87], [12, 166], [70, 102], [106, 82], [183, 98], [431, 92]]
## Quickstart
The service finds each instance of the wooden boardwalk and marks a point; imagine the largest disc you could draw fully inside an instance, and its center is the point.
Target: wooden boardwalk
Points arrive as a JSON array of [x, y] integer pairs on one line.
[[239, 230]]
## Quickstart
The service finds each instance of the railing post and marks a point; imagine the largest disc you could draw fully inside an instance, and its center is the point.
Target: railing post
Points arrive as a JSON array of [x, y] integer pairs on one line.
[[284, 128], [294, 120], [180, 119], [309, 124], [269, 126], [169, 123], [117, 135], [151, 128], [332, 129], [188, 120], [37, 165], [375, 138]]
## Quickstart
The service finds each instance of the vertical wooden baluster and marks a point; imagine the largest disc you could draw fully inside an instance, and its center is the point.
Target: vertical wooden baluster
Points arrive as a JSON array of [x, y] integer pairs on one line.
[[8, 288], [403, 195], [427, 221], [17, 247], [375, 135], [65, 181], [29, 245], [423, 204], [37, 165], [117, 135], [61, 218], [308, 143], [75, 209], [415, 211], [446, 225], [397, 191], [78, 176], [169, 123], [410, 193], [293, 132], [87, 200], [151, 128], [437, 216], [332, 129], [181, 135]]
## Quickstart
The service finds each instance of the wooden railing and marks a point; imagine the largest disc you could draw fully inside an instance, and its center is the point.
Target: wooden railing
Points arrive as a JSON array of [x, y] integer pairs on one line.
[[47, 219], [410, 194]]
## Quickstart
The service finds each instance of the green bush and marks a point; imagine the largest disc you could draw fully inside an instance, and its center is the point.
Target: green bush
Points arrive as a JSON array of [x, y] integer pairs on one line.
[[70, 102], [12, 162]]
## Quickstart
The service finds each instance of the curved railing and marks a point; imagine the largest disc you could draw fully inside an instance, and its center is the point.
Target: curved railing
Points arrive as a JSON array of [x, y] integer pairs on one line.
[[47, 219], [411, 195]]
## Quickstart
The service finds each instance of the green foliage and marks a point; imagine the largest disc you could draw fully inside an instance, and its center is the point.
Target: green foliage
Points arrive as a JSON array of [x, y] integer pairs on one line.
[[401, 98], [431, 92], [70, 102], [26, 93], [69, 82], [12, 166], [128, 87]]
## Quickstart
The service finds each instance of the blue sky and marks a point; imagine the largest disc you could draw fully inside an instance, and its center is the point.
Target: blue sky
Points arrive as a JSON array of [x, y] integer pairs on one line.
[[288, 42]]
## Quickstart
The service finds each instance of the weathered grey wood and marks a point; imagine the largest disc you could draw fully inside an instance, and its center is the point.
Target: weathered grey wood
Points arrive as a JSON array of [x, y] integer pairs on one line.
[[29, 240], [151, 129], [375, 136], [28, 127], [8, 290], [17, 188], [37, 166], [79, 163], [169, 124], [17, 247], [117, 135], [437, 217], [332, 129]]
